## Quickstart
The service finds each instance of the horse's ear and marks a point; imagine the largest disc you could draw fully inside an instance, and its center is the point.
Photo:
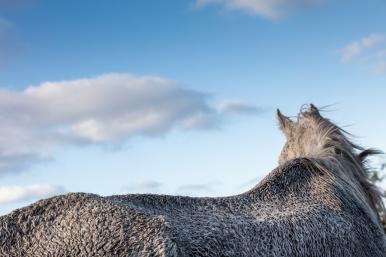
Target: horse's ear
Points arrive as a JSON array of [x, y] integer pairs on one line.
[[285, 123], [313, 109]]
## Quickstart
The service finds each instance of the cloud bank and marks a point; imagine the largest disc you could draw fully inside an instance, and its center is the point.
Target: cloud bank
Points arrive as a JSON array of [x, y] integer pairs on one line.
[[14, 194], [272, 9], [103, 110]]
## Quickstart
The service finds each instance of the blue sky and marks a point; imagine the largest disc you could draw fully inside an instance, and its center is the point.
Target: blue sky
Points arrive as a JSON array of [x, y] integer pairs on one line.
[[112, 97]]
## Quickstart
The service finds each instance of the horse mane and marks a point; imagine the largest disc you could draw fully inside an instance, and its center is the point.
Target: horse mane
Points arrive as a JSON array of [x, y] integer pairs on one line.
[[347, 160]]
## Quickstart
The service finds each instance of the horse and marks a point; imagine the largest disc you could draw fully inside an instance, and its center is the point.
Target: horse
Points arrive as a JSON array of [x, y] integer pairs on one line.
[[318, 202]]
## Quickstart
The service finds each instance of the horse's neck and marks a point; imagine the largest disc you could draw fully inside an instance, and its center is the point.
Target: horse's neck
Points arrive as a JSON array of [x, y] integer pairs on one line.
[[290, 179]]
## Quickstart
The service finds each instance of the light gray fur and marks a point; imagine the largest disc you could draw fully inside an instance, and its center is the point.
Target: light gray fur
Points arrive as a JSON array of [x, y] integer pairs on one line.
[[318, 202]]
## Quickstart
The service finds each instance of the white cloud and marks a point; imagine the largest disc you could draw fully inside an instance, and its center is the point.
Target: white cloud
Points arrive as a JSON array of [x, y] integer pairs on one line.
[[109, 108], [268, 8], [359, 47], [104, 110], [14, 194]]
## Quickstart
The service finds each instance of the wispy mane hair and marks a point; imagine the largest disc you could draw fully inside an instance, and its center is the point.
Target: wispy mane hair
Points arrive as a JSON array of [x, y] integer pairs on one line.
[[333, 153]]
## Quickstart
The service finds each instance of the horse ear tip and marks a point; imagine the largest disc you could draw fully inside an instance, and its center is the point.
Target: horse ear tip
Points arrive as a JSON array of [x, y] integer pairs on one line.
[[279, 115], [313, 108]]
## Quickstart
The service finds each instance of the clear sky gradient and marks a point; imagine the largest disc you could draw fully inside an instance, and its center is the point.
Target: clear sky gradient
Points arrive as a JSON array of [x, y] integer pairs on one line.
[[178, 96]]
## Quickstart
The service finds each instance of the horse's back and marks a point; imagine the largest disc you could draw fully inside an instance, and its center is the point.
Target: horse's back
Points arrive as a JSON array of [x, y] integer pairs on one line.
[[294, 212], [83, 225]]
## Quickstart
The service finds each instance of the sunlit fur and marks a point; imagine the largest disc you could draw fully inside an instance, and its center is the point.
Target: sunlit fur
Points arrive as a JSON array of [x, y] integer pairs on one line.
[[329, 149]]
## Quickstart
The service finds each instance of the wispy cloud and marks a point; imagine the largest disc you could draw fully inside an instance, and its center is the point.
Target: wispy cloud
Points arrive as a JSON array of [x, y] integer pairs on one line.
[[251, 183], [380, 67], [198, 189], [15, 194], [155, 187], [9, 44], [146, 186], [369, 51], [104, 110], [235, 107], [359, 47], [272, 9], [15, 3], [5, 27]]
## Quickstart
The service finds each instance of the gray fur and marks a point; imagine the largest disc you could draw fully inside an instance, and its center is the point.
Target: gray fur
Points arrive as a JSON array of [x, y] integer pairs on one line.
[[314, 204]]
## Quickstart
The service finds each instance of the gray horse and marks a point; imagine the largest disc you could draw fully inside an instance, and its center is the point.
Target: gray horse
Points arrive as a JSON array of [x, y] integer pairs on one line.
[[318, 202]]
